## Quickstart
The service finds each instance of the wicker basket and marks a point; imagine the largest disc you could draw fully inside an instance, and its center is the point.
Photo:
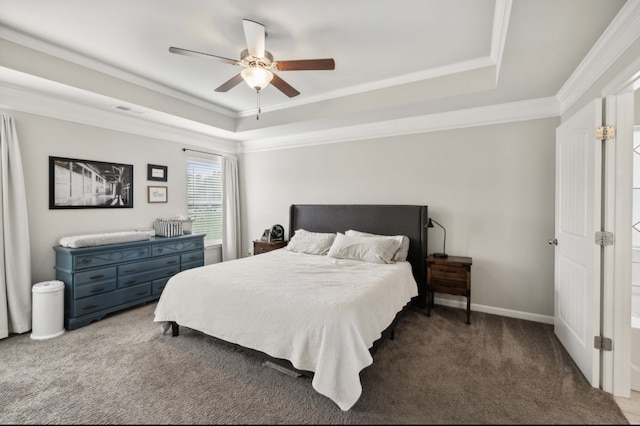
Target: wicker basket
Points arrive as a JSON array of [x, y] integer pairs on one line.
[[172, 227], [168, 227]]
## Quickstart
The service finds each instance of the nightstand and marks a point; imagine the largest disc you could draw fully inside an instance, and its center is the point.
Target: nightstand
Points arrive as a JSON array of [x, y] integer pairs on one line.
[[260, 246], [451, 275]]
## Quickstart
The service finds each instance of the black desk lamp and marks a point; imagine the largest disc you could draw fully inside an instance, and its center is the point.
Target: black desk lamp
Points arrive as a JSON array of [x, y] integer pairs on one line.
[[444, 241]]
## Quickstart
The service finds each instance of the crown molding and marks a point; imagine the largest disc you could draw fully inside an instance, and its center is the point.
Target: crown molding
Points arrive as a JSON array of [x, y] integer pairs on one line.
[[500, 26], [471, 117], [623, 31], [49, 105], [18, 99]]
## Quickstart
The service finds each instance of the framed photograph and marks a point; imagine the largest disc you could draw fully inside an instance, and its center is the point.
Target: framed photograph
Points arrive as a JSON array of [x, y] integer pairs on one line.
[[156, 172], [157, 194], [84, 184]]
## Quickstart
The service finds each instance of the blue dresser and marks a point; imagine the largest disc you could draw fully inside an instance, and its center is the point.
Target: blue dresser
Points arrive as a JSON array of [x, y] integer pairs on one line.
[[104, 279]]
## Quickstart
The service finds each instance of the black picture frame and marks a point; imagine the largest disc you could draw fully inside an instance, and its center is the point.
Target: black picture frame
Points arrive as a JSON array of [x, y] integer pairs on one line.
[[157, 172], [89, 184]]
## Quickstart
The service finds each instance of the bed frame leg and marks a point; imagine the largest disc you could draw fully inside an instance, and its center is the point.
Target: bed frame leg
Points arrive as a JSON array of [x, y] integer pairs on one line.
[[174, 329]]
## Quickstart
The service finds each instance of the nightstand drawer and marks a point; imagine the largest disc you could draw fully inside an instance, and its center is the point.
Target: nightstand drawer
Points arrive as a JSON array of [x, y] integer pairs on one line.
[[448, 272], [450, 275], [444, 283], [260, 247]]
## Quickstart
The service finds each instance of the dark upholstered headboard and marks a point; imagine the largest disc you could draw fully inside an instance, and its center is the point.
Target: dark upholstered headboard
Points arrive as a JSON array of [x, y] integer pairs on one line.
[[380, 219]]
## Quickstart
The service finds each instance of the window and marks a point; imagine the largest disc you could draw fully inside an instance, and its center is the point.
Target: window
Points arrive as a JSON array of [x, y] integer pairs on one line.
[[204, 197]]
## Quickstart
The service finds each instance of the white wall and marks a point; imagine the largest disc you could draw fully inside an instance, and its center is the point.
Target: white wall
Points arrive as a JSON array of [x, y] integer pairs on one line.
[[41, 137], [491, 187]]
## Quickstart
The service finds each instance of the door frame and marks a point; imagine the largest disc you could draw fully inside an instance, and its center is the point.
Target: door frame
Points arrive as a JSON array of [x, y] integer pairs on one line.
[[616, 297]]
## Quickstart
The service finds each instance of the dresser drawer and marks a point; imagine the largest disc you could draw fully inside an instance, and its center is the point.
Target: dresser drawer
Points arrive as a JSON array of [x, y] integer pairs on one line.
[[94, 288], [147, 265], [94, 303], [146, 276], [110, 257], [191, 265], [158, 285], [177, 247], [94, 275], [195, 256], [134, 293]]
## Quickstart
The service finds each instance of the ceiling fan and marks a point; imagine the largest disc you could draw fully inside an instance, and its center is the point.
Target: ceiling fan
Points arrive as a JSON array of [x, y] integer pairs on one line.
[[259, 63]]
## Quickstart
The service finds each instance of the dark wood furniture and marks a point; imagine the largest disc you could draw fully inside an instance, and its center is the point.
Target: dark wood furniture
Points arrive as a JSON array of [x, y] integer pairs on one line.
[[451, 275], [260, 246]]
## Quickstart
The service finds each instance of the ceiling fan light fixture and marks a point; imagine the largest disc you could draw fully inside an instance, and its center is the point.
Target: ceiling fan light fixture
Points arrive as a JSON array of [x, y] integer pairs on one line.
[[257, 78]]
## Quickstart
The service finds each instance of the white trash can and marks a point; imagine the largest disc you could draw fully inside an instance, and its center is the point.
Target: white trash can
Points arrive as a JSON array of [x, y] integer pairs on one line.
[[48, 310]]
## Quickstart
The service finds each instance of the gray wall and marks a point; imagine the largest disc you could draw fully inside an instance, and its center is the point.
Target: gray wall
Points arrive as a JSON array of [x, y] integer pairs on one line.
[[41, 137], [492, 187]]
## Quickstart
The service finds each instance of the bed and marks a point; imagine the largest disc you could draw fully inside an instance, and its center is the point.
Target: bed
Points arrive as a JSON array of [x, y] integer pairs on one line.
[[321, 306]]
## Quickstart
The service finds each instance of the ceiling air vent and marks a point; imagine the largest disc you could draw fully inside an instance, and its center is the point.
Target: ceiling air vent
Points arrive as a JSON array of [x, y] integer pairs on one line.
[[127, 109]]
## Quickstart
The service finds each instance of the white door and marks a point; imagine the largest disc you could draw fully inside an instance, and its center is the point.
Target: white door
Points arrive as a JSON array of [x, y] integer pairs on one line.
[[577, 256]]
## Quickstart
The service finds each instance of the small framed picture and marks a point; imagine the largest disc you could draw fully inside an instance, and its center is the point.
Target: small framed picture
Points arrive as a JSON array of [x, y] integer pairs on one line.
[[156, 172], [157, 194]]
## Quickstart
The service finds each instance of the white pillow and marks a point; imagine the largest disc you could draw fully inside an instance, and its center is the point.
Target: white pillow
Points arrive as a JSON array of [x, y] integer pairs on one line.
[[310, 242], [368, 249], [400, 255]]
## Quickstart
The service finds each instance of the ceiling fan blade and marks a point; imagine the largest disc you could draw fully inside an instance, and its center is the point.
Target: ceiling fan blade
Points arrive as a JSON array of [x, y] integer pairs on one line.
[[254, 34], [230, 84], [187, 52], [284, 87], [306, 64]]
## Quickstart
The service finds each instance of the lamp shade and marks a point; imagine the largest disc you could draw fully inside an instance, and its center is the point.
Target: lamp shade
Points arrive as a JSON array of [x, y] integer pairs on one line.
[[257, 78]]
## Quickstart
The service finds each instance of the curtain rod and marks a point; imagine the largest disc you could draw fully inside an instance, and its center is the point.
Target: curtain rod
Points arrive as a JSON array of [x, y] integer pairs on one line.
[[203, 152]]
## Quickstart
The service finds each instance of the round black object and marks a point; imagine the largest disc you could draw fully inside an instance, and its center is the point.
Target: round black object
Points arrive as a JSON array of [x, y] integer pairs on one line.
[[277, 233]]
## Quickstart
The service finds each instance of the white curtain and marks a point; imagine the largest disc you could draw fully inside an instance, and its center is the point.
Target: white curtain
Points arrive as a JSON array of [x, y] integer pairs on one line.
[[15, 253], [231, 235]]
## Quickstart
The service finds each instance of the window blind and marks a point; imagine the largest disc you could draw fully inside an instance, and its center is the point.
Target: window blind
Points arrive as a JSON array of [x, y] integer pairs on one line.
[[204, 197]]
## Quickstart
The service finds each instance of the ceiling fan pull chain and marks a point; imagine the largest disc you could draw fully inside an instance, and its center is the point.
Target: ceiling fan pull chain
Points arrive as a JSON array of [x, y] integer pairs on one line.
[[259, 109]]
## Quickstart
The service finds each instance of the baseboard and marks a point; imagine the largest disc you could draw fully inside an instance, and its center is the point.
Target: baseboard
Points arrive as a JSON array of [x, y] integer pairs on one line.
[[462, 304]]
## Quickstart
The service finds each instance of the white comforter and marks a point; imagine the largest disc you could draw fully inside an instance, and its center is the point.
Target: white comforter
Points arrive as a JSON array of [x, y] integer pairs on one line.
[[320, 313]]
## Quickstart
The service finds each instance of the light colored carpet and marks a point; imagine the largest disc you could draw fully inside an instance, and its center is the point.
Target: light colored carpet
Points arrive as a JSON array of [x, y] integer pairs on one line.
[[438, 369]]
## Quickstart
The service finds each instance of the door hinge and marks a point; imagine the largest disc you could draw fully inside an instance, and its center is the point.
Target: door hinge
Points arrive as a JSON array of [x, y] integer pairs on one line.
[[602, 343], [605, 133], [604, 238]]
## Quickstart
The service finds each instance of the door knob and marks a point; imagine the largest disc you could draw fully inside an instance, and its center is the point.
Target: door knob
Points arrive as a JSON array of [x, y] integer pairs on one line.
[[553, 241]]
